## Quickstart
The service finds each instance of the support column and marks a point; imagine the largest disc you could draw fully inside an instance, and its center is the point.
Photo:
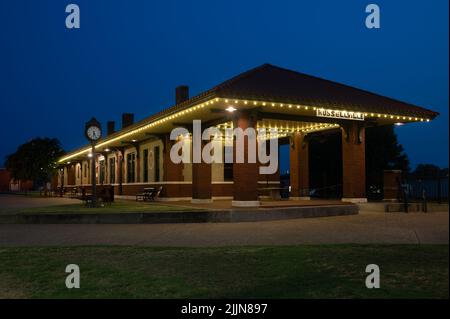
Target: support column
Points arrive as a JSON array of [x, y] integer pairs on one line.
[[245, 175], [173, 172], [81, 172], [119, 156], [201, 181], [354, 163], [138, 163], [61, 190], [299, 167]]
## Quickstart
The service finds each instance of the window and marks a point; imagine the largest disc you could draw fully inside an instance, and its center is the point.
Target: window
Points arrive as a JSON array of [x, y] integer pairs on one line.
[[85, 170], [102, 171], [131, 167], [112, 170], [156, 163], [145, 177], [228, 167], [228, 172]]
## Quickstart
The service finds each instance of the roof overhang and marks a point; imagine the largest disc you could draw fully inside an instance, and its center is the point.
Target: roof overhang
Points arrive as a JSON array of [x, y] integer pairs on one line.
[[213, 110]]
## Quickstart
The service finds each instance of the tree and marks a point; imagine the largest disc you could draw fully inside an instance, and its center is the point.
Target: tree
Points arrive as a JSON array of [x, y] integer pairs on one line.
[[429, 171], [35, 160], [383, 152]]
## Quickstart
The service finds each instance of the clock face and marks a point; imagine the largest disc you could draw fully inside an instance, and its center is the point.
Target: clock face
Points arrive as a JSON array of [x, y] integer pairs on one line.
[[93, 133]]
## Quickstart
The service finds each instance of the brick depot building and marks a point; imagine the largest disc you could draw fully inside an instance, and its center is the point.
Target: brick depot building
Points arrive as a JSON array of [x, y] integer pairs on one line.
[[298, 105]]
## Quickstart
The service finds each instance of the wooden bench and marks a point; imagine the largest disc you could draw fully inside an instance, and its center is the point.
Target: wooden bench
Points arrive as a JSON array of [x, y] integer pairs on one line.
[[105, 194], [145, 194], [149, 193]]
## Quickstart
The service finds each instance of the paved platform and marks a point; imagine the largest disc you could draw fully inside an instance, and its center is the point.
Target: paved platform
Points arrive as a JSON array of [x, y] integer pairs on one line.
[[364, 228], [217, 211], [207, 216], [226, 204], [11, 202]]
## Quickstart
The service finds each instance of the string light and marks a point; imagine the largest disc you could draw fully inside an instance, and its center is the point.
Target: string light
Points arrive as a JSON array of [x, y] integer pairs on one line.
[[202, 105]]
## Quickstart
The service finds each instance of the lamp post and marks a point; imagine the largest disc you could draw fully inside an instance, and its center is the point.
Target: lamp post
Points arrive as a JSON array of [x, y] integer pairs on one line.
[[93, 133]]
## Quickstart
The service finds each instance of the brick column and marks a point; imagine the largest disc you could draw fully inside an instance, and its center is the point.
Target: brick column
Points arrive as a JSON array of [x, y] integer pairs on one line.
[[138, 162], [299, 167], [245, 175], [201, 180], [120, 170], [172, 172], [354, 163]]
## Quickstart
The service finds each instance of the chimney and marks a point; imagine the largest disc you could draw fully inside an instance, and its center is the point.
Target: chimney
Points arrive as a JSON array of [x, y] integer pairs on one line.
[[181, 94], [110, 127], [127, 119]]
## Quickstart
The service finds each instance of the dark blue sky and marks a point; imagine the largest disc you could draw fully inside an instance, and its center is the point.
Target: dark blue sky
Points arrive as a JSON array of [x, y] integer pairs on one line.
[[129, 56]]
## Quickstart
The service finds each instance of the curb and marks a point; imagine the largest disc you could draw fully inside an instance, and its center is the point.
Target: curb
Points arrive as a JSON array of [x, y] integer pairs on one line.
[[213, 216]]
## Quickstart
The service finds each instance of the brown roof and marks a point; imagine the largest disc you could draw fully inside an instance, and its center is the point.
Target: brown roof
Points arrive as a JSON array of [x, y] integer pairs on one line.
[[271, 83]]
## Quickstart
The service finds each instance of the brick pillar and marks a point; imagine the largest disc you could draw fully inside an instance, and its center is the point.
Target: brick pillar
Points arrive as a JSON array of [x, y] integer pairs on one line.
[[81, 173], [299, 167], [245, 175], [354, 163], [138, 163], [61, 190], [201, 181], [172, 172], [120, 170], [391, 185]]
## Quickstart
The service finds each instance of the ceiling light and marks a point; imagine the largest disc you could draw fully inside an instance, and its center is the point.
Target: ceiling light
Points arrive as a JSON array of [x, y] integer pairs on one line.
[[231, 109]]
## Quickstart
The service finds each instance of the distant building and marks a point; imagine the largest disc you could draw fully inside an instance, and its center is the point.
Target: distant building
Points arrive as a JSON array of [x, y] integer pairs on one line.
[[4, 180], [7, 184]]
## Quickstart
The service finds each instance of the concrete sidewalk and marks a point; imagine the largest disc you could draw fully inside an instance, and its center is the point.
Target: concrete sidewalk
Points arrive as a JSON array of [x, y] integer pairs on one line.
[[365, 228], [9, 203]]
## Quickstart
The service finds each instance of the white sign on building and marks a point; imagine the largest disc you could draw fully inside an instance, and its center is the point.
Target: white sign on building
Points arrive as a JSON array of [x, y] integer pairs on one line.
[[338, 114]]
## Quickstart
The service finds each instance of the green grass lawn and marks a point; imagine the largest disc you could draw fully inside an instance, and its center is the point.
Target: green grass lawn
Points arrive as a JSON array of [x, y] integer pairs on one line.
[[330, 271], [116, 207]]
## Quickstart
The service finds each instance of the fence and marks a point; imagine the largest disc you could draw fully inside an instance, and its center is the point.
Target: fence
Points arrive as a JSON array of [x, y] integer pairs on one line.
[[433, 189]]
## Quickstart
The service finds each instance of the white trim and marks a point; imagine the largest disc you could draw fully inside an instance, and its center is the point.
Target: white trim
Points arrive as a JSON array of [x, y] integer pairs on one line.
[[173, 199], [201, 200], [355, 200], [140, 183], [158, 183], [125, 197], [259, 182], [222, 197], [245, 203]]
